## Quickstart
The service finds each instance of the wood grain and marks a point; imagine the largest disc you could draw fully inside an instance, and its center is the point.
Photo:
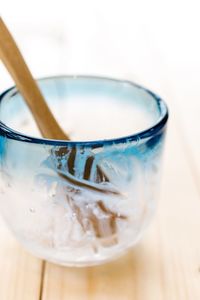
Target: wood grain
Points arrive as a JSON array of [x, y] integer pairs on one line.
[[20, 272]]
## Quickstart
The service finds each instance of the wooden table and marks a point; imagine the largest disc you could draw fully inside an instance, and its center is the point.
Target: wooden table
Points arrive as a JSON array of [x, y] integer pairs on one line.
[[164, 265]]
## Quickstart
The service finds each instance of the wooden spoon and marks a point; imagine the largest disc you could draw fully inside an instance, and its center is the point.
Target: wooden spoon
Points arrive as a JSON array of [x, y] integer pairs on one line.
[[14, 62]]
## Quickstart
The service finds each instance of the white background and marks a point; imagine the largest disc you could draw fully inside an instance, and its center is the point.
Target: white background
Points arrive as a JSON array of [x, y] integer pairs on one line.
[[132, 39]]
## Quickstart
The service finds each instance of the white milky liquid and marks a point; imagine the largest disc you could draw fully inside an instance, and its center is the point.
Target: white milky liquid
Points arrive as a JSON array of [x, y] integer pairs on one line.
[[85, 119]]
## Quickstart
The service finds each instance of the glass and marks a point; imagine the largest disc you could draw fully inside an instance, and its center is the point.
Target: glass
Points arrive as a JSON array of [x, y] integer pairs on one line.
[[83, 202]]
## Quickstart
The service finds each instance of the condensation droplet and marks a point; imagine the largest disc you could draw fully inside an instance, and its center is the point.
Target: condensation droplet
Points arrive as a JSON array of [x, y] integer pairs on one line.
[[52, 190], [73, 216]]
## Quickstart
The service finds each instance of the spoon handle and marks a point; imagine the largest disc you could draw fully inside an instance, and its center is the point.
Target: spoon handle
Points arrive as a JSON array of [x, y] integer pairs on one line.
[[19, 71]]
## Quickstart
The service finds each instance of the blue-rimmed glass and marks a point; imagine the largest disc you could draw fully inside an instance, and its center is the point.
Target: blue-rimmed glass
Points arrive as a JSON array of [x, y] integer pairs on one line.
[[81, 202]]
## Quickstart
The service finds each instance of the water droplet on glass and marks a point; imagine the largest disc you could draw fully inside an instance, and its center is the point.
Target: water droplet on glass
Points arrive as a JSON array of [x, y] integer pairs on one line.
[[52, 189], [73, 217]]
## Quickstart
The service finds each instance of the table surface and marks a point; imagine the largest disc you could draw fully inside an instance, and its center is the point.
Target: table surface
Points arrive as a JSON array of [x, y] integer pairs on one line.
[[165, 265]]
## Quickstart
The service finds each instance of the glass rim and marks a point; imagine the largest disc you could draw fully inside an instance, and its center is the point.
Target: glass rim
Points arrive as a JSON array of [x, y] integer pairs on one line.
[[138, 136]]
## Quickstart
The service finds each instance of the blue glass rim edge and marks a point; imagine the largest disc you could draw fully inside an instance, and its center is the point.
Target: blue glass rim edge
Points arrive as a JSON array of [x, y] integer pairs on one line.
[[147, 133]]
